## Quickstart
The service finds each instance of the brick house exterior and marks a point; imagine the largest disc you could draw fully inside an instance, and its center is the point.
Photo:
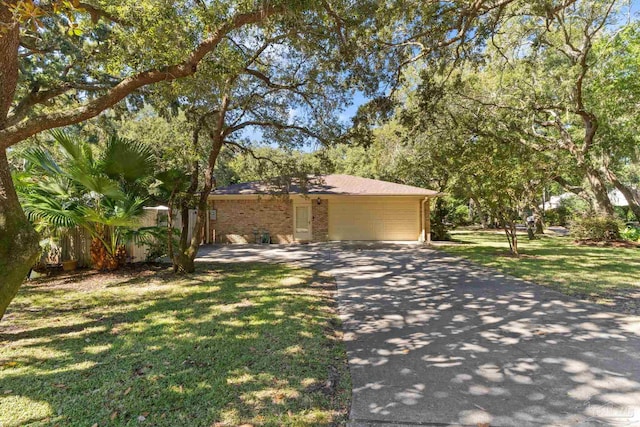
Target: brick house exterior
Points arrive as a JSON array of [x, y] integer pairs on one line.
[[238, 220], [320, 220], [329, 207]]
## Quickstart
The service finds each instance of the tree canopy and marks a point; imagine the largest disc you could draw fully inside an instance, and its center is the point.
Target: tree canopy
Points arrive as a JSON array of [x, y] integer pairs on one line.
[[276, 69]]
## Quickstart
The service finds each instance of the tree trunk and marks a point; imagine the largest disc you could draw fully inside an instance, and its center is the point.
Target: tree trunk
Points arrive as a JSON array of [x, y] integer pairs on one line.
[[512, 237], [632, 197], [530, 232], [602, 204], [171, 203], [539, 221], [181, 262], [184, 258], [482, 215], [19, 247], [188, 256], [184, 261], [9, 43]]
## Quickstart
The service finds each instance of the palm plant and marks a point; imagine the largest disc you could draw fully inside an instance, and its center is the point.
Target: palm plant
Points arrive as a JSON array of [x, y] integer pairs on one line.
[[72, 187]]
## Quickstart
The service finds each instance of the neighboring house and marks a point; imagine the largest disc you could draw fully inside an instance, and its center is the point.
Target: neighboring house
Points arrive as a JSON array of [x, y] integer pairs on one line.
[[617, 198], [331, 207], [554, 202]]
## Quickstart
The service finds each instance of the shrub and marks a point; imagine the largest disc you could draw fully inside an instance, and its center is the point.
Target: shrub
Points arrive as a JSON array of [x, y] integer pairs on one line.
[[158, 244], [624, 213], [460, 215], [559, 216], [631, 233], [157, 250], [569, 209], [596, 228]]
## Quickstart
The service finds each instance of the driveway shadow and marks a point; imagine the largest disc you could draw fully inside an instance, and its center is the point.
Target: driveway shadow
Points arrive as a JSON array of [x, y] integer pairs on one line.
[[432, 338]]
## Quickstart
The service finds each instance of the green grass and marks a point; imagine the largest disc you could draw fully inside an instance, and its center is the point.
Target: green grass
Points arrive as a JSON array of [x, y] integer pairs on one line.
[[595, 272], [253, 343]]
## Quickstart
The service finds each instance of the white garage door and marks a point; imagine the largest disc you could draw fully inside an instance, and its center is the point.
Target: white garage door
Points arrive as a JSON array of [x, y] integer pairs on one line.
[[374, 219]]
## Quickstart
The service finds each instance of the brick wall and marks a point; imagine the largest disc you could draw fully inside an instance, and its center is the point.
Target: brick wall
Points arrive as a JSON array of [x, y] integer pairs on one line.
[[237, 219], [320, 220]]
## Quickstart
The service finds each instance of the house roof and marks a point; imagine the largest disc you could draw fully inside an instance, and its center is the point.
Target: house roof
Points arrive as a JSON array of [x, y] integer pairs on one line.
[[329, 184]]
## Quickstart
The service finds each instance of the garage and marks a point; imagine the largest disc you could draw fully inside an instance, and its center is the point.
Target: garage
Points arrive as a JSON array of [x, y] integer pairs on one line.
[[375, 218]]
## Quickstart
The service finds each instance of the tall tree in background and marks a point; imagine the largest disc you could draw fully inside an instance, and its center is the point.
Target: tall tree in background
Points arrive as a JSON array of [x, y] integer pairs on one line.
[[541, 80], [613, 92], [562, 83], [440, 140]]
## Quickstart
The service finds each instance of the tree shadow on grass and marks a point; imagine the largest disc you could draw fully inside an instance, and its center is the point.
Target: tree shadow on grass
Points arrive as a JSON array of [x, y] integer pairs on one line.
[[558, 263], [229, 344]]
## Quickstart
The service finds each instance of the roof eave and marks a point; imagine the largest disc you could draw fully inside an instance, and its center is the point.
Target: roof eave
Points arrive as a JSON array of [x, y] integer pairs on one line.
[[253, 195]]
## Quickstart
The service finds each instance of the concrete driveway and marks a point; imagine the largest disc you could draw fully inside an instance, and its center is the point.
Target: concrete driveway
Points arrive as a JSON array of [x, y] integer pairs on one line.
[[435, 340]]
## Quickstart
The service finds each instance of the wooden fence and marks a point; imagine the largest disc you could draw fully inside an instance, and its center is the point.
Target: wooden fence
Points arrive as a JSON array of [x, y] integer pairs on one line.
[[76, 242]]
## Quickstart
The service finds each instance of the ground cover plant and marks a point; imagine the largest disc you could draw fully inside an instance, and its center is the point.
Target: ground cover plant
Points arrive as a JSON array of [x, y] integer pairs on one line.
[[247, 344]]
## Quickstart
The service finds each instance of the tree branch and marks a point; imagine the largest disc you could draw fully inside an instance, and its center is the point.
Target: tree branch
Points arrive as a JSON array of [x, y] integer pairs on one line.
[[20, 131], [36, 96], [270, 83], [97, 13], [575, 189], [249, 151], [233, 129]]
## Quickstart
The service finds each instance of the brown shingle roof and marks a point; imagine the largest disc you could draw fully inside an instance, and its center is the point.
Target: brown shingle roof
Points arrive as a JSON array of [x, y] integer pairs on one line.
[[330, 184]]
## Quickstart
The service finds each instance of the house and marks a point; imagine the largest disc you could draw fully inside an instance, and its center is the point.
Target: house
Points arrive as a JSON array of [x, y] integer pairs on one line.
[[617, 198], [330, 207], [554, 202]]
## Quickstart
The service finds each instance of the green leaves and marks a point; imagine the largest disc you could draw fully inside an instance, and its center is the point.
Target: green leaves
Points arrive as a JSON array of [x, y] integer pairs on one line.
[[47, 211], [70, 186], [73, 150], [43, 159], [126, 159]]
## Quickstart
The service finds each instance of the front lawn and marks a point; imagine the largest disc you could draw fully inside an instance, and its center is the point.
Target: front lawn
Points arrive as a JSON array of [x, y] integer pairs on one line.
[[603, 274], [251, 344]]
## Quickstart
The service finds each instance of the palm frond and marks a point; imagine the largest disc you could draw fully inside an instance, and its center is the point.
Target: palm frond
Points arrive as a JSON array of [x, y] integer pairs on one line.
[[42, 159], [98, 184], [42, 207], [127, 159], [71, 148], [145, 235], [95, 216], [57, 187]]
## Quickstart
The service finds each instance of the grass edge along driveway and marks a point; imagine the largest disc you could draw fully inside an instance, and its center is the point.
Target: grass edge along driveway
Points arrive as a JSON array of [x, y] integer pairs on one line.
[[254, 344], [601, 274]]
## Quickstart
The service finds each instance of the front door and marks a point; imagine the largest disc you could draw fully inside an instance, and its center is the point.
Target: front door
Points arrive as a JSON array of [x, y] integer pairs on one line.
[[302, 222]]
